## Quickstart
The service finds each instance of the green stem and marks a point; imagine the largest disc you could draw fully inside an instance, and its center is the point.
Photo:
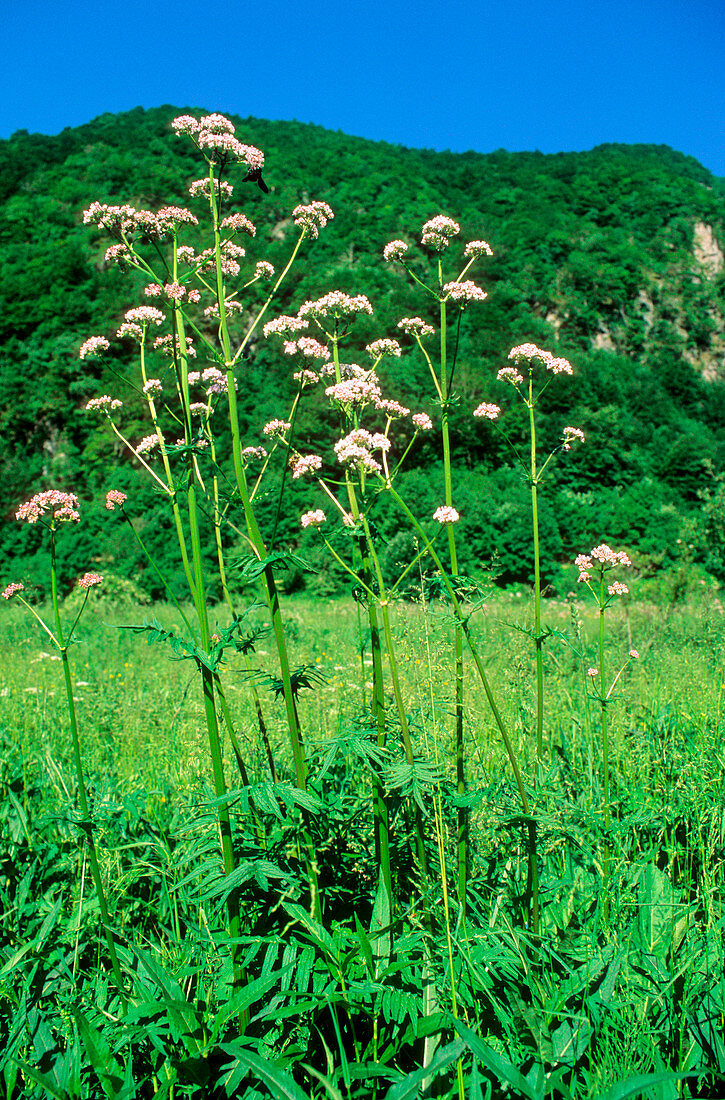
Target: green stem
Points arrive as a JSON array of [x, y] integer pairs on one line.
[[498, 719], [85, 824], [538, 637], [462, 815]]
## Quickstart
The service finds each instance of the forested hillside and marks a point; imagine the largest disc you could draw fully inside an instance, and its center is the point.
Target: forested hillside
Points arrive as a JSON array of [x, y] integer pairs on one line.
[[611, 258]]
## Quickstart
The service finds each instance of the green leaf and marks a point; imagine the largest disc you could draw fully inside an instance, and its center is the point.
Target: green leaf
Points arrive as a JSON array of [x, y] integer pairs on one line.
[[407, 1089], [279, 1083], [635, 1086], [657, 912], [104, 1062], [500, 1066]]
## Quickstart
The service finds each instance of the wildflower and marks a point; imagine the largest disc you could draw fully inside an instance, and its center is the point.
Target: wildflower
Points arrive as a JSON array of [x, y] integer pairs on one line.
[[592, 672], [153, 290], [175, 291], [62, 506], [94, 345], [438, 231], [276, 427], [103, 404], [88, 580], [169, 345], [490, 412], [336, 304], [571, 434], [607, 556], [193, 296], [617, 589], [414, 326], [148, 444], [169, 217], [353, 391], [239, 223], [355, 450], [477, 248], [202, 188], [12, 588], [256, 453], [153, 387], [313, 519], [305, 464], [185, 124], [391, 408], [634, 654], [185, 254], [422, 421], [263, 270], [284, 326], [379, 348], [395, 250], [510, 374], [115, 498], [531, 352], [312, 348], [199, 408], [446, 514], [306, 377], [216, 380], [119, 254], [144, 315], [312, 217], [133, 332], [465, 292], [114, 219]]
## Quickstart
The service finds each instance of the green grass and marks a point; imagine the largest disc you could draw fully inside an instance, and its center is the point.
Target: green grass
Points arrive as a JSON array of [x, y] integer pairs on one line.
[[615, 986]]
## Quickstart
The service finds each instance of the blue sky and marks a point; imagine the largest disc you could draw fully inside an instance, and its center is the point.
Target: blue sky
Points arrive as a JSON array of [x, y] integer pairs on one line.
[[515, 74]]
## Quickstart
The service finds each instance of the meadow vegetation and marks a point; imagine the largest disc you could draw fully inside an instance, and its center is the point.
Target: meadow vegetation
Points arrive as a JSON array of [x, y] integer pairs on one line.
[[338, 816]]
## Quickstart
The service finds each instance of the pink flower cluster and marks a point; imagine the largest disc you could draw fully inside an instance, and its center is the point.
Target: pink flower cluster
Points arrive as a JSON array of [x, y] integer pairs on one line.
[[63, 507], [215, 133], [203, 188], [466, 291], [115, 499], [263, 270], [305, 464], [89, 580], [12, 588], [395, 250], [477, 248], [276, 427], [239, 223], [490, 412], [284, 326], [422, 421], [355, 450], [415, 326], [438, 231], [313, 519], [446, 514], [606, 559], [572, 435], [313, 217], [530, 352], [94, 345], [153, 387], [379, 348], [336, 304], [103, 404]]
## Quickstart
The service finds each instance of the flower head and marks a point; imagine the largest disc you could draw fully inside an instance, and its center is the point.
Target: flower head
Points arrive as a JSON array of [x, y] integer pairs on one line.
[[511, 375], [63, 507], [153, 387], [395, 250], [115, 499], [570, 436], [477, 248], [438, 231], [276, 427], [422, 421], [12, 588], [415, 326], [89, 580], [490, 412], [336, 304], [305, 464], [103, 404], [94, 345], [465, 292], [446, 514], [313, 217], [313, 519], [634, 654], [379, 348]]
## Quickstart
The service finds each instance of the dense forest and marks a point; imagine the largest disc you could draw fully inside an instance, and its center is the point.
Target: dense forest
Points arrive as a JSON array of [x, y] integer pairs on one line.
[[610, 258]]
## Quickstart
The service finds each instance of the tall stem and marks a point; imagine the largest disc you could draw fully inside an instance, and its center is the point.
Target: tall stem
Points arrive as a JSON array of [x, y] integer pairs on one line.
[[462, 822], [538, 638], [86, 824]]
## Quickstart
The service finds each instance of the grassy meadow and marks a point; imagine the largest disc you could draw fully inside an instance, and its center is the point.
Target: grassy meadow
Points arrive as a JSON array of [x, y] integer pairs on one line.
[[621, 982]]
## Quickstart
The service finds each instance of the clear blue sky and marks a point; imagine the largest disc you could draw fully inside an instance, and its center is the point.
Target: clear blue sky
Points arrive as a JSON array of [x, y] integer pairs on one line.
[[483, 75]]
